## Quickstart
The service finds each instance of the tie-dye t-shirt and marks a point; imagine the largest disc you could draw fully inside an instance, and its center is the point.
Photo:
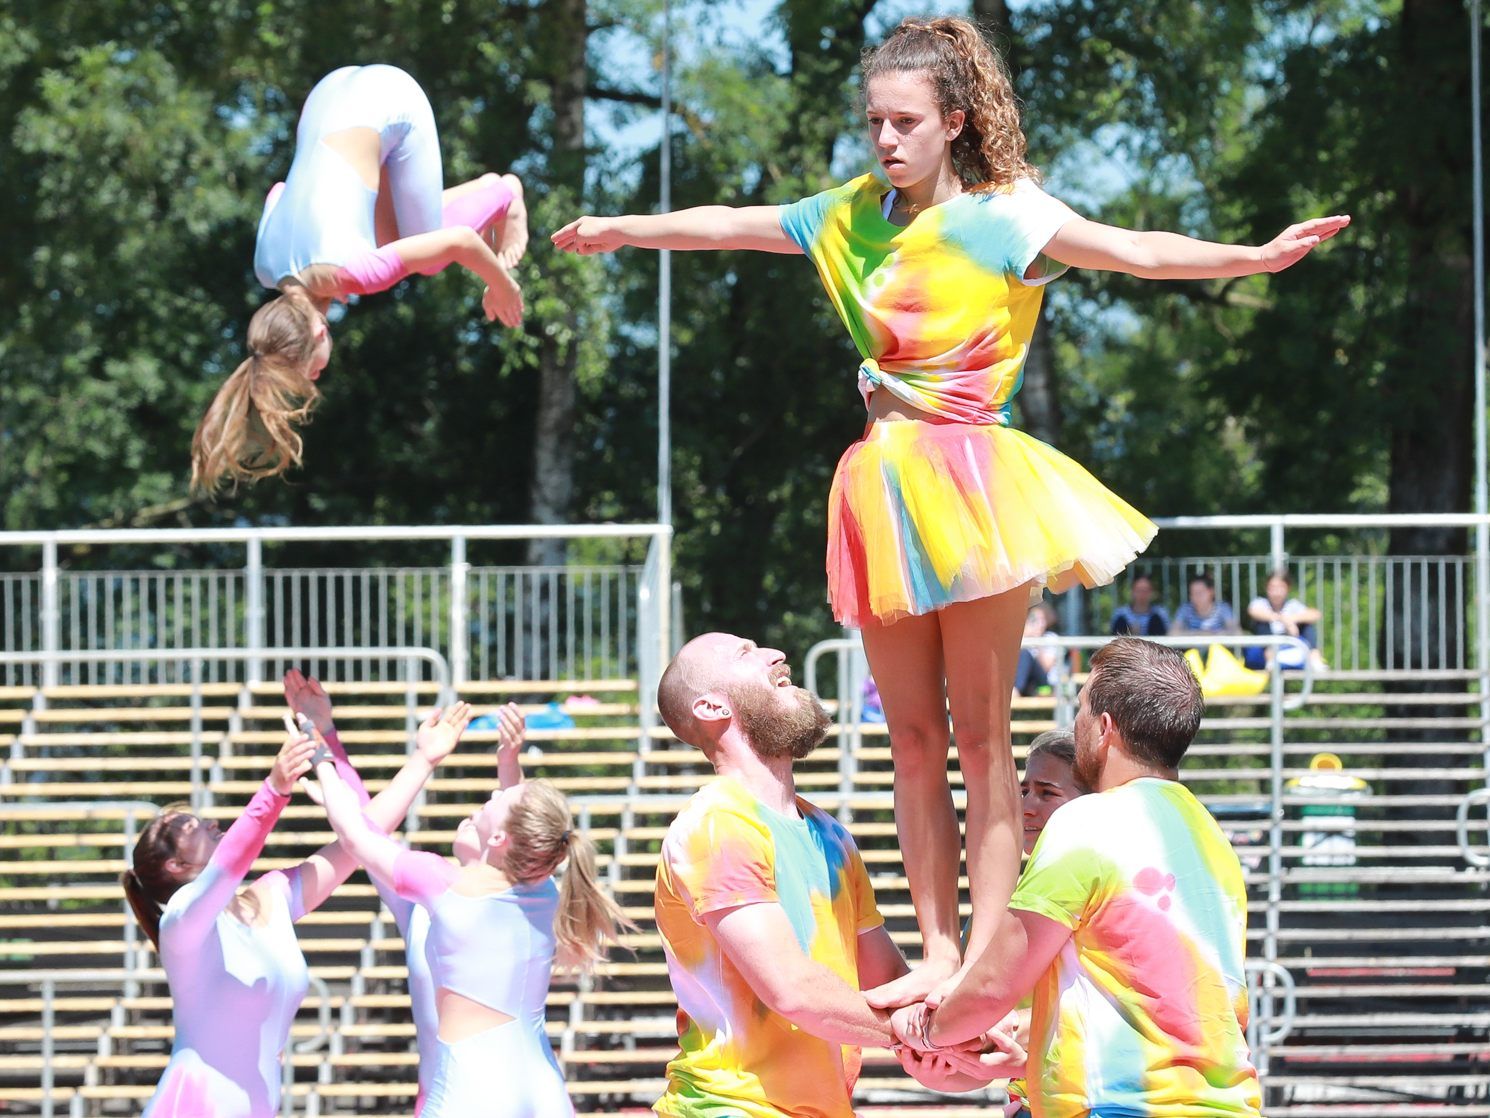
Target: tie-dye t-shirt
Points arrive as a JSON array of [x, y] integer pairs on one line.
[[1144, 1011], [940, 310], [727, 849]]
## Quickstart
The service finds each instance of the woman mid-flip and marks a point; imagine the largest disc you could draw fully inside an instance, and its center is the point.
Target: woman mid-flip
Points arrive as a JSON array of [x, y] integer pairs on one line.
[[943, 520], [234, 967], [497, 926], [363, 206]]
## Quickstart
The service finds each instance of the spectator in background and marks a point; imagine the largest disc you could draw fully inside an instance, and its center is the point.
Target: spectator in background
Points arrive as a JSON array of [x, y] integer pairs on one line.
[[1038, 667], [1140, 617], [1280, 614], [1204, 613]]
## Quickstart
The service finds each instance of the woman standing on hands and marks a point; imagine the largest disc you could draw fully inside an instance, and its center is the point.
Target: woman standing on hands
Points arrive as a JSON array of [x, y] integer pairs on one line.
[[364, 206], [497, 926], [943, 520], [235, 970]]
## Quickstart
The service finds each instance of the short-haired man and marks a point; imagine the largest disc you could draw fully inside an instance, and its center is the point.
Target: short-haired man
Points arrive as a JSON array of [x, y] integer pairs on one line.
[[1129, 923], [766, 912]]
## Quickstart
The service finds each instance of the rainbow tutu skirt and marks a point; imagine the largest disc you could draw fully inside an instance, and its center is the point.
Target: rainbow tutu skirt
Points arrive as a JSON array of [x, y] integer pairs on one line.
[[926, 514]]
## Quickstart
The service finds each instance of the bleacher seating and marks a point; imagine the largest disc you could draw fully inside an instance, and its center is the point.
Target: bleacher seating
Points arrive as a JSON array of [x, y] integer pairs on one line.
[[1390, 954]]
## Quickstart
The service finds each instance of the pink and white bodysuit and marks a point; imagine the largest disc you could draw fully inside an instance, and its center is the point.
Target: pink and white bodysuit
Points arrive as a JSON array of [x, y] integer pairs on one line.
[[413, 925], [323, 213], [496, 950], [235, 987]]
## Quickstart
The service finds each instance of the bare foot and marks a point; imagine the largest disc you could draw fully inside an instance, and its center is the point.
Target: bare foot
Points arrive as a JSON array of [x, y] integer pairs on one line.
[[510, 240], [914, 986]]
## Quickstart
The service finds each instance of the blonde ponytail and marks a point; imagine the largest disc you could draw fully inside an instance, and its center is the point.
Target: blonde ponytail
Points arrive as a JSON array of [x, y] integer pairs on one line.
[[965, 73], [589, 919], [543, 838], [249, 429]]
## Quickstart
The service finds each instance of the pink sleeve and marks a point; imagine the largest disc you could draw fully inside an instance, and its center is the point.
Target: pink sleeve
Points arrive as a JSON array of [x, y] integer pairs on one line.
[[421, 876], [196, 905], [373, 271], [480, 206], [344, 765]]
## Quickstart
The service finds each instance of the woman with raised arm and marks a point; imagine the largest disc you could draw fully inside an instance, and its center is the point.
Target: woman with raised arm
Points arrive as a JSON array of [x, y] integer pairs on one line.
[[944, 522], [363, 207], [232, 962], [497, 926], [305, 695]]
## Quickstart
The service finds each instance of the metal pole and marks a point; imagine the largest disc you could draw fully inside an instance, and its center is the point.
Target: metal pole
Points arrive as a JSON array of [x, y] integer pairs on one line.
[[459, 626], [1481, 478], [51, 612], [48, 1045], [254, 574], [665, 295]]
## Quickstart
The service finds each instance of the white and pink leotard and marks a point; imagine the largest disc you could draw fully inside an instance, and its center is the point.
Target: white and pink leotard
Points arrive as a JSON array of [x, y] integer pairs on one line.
[[323, 213], [497, 950], [235, 987]]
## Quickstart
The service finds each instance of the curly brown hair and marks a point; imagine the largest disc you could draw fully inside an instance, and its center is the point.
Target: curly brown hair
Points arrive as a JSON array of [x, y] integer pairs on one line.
[[965, 73], [249, 429]]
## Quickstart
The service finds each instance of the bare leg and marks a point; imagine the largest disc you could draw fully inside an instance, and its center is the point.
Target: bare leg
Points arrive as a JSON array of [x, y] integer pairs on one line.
[[906, 659], [980, 643], [385, 221], [508, 233], [509, 237]]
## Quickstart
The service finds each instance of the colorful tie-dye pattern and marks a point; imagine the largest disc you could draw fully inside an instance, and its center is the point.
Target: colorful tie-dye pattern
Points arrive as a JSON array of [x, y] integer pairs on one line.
[[727, 849], [1144, 1012], [938, 309], [924, 514]]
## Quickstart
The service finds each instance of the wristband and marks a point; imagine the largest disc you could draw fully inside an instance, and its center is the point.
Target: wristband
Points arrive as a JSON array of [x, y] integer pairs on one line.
[[322, 753]]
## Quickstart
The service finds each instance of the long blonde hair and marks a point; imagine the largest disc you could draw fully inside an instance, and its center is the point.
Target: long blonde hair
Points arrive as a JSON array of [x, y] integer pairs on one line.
[[968, 74], [543, 836], [249, 429]]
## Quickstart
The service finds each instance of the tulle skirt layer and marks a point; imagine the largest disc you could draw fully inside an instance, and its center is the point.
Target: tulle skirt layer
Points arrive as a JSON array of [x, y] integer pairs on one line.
[[926, 514]]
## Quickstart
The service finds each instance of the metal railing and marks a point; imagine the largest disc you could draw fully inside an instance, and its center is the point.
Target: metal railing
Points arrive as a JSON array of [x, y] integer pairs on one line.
[[576, 621], [198, 658]]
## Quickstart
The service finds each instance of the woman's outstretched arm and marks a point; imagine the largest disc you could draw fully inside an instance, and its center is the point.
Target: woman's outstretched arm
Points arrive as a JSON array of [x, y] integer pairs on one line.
[[703, 227], [1155, 255], [511, 732], [316, 878]]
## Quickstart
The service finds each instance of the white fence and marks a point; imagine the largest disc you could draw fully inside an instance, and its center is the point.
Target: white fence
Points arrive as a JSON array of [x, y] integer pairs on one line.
[[585, 620]]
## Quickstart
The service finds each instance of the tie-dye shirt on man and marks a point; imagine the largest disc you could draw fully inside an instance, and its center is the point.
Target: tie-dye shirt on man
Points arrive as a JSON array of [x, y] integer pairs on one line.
[[940, 310], [1144, 1012], [727, 849]]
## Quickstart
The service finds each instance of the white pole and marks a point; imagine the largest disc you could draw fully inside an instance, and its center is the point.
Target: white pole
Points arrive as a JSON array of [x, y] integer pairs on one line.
[[665, 295], [1481, 480]]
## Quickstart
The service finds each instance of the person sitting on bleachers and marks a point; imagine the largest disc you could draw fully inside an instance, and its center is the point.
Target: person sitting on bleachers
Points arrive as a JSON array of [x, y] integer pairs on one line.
[[234, 967], [1039, 669], [1142, 616], [1277, 613], [1203, 613], [1129, 924], [766, 912]]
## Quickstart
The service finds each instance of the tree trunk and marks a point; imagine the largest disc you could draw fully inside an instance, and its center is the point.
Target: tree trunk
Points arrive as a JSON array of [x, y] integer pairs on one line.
[[1430, 392], [551, 492]]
